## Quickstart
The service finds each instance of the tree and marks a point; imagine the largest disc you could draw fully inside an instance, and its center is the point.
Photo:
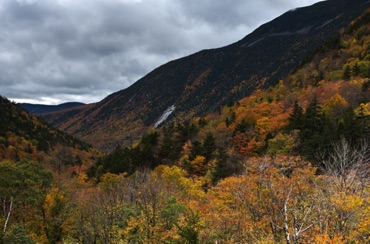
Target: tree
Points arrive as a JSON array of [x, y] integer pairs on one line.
[[196, 149], [199, 165], [347, 165], [355, 70], [281, 144], [55, 215], [296, 117], [347, 72], [363, 119], [347, 184], [23, 188], [209, 146], [223, 168], [189, 229], [317, 131]]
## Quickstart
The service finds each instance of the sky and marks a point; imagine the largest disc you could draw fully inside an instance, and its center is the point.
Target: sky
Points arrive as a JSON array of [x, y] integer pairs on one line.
[[56, 51]]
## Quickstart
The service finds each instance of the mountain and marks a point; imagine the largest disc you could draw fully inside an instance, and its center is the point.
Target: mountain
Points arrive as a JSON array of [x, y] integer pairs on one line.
[[41, 108], [203, 82], [323, 103], [24, 136]]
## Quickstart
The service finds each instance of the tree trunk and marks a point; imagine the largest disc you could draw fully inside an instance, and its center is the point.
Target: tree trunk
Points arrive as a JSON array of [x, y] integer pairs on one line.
[[8, 216]]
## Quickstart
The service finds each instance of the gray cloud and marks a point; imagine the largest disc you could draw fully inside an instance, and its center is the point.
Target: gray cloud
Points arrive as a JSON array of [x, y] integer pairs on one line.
[[53, 51]]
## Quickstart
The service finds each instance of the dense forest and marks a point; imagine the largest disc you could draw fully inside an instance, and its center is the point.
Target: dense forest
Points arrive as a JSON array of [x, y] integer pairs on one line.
[[288, 164]]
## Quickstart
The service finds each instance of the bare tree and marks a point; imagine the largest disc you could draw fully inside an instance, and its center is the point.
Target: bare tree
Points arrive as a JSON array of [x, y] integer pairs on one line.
[[347, 174], [348, 166]]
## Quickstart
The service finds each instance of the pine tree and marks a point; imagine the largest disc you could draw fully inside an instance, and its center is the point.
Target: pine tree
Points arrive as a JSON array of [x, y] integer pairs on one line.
[[317, 131], [296, 118], [355, 70], [222, 169], [313, 116], [196, 150], [347, 73], [209, 146]]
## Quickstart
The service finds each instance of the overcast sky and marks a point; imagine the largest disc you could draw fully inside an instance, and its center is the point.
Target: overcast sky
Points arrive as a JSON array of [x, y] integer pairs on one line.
[[54, 51]]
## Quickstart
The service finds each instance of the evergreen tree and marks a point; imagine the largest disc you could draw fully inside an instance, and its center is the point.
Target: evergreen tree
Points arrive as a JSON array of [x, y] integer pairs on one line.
[[313, 116], [355, 70], [222, 170], [347, 73], [209, 146], [348, 126], [317, 132], [196, 150], [241, 127], [167, 148], [363, 123], [227, 122], [296, 118]]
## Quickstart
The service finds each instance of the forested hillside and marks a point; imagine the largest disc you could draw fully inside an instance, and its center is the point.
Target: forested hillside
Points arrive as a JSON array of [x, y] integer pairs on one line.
[[324, 101], [25, 136], [205, 81], [35, 161], [288, 164]]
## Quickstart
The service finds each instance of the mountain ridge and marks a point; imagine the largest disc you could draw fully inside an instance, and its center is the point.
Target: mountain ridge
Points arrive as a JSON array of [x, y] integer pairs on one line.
[[205, 81]]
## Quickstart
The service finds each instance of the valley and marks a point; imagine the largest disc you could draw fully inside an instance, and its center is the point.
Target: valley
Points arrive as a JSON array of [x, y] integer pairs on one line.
[[262, 141]]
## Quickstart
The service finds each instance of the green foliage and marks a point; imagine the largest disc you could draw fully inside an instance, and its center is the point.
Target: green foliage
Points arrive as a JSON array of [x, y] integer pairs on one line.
[[281, 144], [316, 133], [18, 235], [154, 148], [23, 188], [171, 212], [25, 181], [189, 231]]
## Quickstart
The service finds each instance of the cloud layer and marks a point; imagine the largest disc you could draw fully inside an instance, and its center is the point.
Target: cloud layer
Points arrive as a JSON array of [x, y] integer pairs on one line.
[[54, 51]]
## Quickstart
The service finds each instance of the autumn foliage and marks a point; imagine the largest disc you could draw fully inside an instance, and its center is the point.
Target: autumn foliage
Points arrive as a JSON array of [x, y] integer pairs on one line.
[[288, 164]]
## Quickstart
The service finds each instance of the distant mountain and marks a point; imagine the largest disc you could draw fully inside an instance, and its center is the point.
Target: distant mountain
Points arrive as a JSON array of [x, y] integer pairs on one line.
[[203, 82], [41, 108]]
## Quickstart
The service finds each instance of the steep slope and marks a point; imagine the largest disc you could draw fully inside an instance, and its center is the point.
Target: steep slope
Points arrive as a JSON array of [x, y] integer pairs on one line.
[[41, 108], [303, 115], [203, 82]]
